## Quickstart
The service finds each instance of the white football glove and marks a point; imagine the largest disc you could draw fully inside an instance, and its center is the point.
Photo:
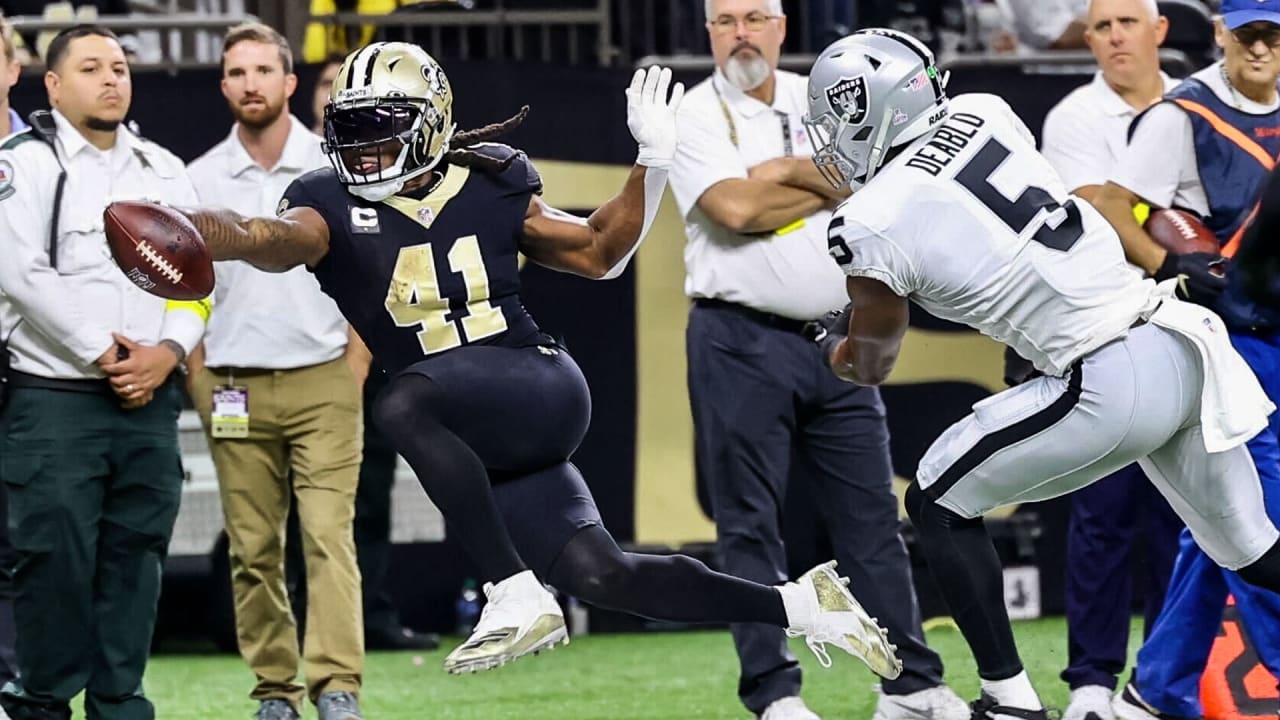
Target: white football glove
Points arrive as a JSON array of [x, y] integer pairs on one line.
[[651, 116]]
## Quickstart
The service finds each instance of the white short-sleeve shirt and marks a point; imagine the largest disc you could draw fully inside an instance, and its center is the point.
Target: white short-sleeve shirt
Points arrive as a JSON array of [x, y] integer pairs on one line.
[[790, 274], [1087, 132], [1159, 165], [266, 320]]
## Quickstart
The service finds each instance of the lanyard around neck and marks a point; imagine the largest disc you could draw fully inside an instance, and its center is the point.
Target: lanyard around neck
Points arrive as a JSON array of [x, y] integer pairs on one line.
[[787, 148]]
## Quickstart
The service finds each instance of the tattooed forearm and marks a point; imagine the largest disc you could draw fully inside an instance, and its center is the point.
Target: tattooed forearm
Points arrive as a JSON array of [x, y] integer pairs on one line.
[[271, 244]]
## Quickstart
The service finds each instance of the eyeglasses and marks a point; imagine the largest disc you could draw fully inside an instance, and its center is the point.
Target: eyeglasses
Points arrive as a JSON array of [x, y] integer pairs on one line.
[[755, 22], [1248, 35]]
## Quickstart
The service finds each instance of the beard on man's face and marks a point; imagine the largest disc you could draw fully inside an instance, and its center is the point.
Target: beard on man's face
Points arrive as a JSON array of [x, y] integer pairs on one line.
[[101, 124], [257, 117], [747, 68]]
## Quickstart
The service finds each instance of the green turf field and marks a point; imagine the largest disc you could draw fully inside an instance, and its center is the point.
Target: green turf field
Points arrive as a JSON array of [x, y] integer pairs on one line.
[[654, 676]]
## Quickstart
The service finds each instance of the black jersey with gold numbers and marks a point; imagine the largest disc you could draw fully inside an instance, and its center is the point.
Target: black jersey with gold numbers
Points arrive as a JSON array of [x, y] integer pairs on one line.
[[418, 277]]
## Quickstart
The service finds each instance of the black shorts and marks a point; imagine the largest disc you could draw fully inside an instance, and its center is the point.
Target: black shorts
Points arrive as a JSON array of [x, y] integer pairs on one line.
[[524, 412]]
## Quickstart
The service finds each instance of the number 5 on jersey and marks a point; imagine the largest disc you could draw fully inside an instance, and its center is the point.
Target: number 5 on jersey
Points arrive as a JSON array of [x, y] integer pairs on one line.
[[414, 297]]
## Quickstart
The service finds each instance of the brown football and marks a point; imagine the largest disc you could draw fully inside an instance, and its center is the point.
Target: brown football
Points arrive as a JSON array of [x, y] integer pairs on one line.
[[1180, 232], [159, 250]]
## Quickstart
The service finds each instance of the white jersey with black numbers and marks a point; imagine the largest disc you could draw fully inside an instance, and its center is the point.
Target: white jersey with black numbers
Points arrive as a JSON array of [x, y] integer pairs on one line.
[[973, 224]]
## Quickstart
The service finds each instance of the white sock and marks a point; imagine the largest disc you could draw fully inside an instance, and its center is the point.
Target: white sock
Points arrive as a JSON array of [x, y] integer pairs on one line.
[[1013, 692], [792, 601], [524, 579]]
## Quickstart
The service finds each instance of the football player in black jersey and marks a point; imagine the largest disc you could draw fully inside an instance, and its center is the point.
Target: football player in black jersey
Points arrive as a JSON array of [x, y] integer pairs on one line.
[[415, 232]]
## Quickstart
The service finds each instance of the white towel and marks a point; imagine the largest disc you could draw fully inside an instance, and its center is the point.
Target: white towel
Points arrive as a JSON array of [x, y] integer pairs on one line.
[[1233, 406]]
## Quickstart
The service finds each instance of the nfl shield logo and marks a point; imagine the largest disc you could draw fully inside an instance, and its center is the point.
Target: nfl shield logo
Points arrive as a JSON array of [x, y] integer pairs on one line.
[[849, 98], [426, 216], [6, 179]]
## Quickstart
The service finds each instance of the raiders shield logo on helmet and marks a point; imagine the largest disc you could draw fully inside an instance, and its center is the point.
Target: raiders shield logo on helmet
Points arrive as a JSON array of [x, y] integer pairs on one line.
[[849, 97]]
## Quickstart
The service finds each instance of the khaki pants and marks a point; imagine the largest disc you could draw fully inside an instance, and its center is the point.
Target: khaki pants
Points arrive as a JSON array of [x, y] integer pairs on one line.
[[308, 420]]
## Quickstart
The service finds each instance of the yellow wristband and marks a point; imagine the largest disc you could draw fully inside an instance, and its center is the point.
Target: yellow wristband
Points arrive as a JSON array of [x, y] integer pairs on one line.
[[1141, 212], [792, 227], [201, 308]]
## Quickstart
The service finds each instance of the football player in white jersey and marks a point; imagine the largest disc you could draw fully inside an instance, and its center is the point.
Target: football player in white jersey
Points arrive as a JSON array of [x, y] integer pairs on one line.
[[959, 213]]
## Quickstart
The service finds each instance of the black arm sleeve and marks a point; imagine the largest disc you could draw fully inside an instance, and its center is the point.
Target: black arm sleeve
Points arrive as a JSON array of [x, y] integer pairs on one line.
[[1258, 258]]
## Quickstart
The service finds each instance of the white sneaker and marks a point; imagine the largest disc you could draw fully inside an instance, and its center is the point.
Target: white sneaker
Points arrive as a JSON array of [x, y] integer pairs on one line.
[[821, 609], [521, 618], [1090, 702], [935, 703], [788, 708]]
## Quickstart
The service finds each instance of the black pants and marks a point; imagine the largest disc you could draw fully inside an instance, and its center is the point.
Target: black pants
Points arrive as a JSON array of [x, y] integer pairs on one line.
[[93, 495], [373, 514], [1109, 519], [759, 393], [8, 628]]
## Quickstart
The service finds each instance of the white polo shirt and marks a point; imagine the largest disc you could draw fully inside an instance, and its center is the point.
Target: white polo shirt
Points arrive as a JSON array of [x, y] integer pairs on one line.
[[790, 274], [1159, 165], [1087, 132], [59, 321], [276, 321]]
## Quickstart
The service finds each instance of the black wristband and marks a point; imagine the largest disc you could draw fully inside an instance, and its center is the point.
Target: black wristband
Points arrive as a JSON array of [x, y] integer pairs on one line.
[[177, 349], [1168, 269]]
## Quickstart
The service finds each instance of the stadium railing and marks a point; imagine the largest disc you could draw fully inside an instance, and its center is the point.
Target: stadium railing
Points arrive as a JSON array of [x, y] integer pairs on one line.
[[176, 37]]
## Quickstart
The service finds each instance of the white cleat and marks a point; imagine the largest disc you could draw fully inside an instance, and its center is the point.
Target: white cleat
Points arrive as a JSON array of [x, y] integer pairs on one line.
[[788, 708], [821, 609], [1090, 702], [521, 618], [935, 703]]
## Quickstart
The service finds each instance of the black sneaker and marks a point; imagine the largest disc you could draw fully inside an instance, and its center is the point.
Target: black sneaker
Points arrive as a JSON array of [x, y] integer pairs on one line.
[[1129, 705], [986, 708], [399, 638]]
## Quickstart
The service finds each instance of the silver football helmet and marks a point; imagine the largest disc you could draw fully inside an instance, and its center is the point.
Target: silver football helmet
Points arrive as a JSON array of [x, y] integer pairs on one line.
[[869, 92]]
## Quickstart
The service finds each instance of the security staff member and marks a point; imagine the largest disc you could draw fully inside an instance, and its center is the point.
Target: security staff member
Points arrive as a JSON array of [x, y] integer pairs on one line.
[[89, 438], [757, 268], [10, 122], [278, 352]]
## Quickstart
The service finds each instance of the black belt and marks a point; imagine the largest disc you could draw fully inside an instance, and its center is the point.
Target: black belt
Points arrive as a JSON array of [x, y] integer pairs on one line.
[[240, 372], [98, 386], [764, 318]]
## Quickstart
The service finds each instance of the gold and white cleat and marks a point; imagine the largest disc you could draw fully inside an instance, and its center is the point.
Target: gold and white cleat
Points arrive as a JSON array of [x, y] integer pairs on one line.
[[821, 609], [521, 618]]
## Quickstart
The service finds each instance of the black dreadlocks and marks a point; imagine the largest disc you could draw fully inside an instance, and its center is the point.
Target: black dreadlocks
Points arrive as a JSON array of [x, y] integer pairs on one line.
[[463, 156]]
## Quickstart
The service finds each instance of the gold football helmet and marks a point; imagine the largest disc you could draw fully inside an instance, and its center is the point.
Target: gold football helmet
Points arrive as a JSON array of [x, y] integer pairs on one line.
[[389, 118]]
